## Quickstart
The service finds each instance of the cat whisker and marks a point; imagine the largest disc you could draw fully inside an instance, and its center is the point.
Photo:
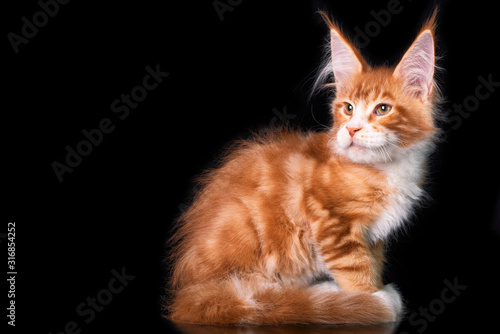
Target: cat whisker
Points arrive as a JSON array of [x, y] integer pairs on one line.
[[387, 157]]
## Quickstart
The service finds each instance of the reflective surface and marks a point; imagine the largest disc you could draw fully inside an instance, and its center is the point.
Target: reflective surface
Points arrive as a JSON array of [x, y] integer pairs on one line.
[[345, 329]]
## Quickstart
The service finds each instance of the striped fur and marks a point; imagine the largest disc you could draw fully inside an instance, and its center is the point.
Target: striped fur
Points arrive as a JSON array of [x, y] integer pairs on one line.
[[290, 228]]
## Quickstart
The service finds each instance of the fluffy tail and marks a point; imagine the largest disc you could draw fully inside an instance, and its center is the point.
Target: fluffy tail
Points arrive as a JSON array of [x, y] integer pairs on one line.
[[235, 301]]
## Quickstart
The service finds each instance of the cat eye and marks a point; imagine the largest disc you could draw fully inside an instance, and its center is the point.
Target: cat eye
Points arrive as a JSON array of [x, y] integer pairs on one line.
[[382, 109], [348, 109]]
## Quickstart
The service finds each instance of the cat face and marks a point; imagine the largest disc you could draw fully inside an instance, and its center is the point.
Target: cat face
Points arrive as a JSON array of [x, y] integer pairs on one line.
[[380, 113], [376, 121]]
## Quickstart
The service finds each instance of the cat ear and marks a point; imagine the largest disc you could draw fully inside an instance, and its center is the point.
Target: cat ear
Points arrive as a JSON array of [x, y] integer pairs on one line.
[[345, 59], [416, 68]]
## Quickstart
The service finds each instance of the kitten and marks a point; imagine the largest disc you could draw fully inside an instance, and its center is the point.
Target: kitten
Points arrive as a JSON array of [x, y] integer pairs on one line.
[[291, 227]]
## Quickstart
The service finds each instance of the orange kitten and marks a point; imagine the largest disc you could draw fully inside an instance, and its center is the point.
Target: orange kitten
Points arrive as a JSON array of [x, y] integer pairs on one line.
[[291, 227]]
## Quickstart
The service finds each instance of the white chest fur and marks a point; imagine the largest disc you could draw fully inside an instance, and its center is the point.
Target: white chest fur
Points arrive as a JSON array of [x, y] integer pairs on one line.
[[404, 177]]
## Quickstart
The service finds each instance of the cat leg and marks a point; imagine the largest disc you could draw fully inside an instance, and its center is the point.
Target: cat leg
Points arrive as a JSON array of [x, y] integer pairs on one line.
[[378, 254], [356, 265], [388, 292], [348, 256]]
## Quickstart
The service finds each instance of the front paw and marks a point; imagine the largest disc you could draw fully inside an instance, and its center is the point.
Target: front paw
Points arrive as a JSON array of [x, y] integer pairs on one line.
[[391, 297]]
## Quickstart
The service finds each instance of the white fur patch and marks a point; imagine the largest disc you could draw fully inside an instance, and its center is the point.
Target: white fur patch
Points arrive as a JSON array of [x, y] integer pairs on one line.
[[391, 297], [243, 291], [404, 176], [326, 287]]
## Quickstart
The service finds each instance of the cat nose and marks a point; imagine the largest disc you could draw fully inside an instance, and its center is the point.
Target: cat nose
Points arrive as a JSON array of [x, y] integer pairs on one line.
[[352, 131]]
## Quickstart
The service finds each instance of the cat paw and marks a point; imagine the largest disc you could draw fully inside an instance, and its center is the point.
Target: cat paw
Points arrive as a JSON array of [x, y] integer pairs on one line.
[[391, 297]]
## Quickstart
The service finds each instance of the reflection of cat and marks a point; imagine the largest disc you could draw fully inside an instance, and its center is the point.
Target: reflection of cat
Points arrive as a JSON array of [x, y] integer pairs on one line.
[[291, 227], [291, 329]]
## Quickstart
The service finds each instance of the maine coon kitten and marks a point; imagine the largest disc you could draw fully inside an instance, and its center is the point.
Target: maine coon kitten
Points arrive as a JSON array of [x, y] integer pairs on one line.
[[291, 227]]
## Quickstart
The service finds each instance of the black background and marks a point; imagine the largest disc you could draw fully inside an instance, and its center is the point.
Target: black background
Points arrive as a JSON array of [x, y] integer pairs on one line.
[[227, 77]]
